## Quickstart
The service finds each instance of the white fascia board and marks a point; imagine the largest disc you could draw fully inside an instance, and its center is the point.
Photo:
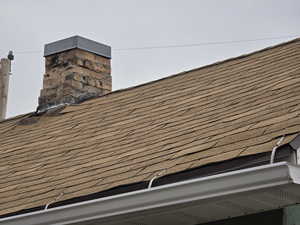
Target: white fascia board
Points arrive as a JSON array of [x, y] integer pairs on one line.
[[121, 206]]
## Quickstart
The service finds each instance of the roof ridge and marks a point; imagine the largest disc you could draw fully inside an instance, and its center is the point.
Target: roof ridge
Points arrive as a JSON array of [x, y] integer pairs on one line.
[[199, 68], [175, 75]]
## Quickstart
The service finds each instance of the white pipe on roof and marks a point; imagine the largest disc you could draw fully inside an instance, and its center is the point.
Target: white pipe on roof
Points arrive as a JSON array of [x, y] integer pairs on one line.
[[138, 203], [5, 69]]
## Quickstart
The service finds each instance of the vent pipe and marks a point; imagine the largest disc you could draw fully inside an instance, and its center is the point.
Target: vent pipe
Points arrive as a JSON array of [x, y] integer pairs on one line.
[[5, 71]]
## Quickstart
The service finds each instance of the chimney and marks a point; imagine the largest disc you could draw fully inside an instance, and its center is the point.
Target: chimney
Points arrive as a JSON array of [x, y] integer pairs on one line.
[[76, 69], [5, 71]]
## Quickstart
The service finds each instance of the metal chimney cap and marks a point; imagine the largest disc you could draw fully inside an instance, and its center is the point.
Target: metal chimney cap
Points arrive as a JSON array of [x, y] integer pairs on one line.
[[80, 43]]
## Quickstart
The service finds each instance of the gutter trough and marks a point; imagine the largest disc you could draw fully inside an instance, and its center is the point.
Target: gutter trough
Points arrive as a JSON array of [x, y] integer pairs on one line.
[[190, 202]]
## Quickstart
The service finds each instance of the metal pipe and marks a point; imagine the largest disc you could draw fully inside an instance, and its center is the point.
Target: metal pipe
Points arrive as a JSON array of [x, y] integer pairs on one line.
[[56, 199], [5, 65], [156, 176]]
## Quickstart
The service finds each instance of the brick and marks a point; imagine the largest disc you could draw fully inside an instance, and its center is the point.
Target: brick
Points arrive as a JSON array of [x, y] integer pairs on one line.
[[88, 75]]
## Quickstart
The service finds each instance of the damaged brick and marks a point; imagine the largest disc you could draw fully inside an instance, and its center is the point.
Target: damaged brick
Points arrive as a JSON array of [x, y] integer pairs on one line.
[[73, 76]]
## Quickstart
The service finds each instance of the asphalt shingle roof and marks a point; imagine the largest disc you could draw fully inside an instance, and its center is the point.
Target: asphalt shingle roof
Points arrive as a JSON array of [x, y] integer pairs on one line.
[[234, 108]]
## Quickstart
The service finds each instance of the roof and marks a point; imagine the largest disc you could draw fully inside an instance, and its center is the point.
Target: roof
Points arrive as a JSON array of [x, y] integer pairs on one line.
[[226, 110]]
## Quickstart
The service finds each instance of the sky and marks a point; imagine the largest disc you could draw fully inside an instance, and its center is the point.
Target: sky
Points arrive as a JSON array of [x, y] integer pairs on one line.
[[27, 25]]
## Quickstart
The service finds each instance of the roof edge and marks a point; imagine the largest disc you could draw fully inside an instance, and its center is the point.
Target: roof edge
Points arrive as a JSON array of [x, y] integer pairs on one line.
[[143, 201], [283, 154], [16, 117]]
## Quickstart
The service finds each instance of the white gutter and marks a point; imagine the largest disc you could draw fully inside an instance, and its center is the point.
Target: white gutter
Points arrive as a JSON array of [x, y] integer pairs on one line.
[[124, 206]]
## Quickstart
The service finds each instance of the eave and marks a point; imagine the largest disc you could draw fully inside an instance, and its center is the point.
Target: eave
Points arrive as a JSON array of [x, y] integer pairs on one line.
[[230, 194]]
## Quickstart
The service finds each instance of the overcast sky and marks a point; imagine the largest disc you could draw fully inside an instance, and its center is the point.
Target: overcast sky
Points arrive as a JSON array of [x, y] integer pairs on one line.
[[26, 25]]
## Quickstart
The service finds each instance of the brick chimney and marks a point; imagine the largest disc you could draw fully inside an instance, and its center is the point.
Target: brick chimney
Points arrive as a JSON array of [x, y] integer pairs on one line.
[[76, 69]]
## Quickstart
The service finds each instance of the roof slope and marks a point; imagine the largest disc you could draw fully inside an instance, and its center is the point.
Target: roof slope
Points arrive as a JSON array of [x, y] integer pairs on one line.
[[230, 109]]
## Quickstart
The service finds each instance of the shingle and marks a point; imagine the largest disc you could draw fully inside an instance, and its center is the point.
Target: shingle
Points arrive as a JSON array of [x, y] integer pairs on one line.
[[226, 110]]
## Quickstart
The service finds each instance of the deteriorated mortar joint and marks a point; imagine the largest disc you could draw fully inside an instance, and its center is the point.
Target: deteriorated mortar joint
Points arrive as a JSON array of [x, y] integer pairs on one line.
[[77, 69]]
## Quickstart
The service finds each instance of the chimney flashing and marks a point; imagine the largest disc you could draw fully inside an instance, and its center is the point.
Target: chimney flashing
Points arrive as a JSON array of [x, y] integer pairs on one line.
[[80, 43]]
